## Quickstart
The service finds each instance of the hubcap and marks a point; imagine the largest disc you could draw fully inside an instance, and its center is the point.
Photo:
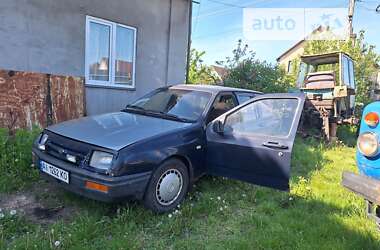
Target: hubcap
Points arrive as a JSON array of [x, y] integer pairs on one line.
[[169, 187]]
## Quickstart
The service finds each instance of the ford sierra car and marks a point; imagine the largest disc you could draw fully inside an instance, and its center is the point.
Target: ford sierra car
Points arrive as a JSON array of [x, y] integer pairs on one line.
[[158, 146]]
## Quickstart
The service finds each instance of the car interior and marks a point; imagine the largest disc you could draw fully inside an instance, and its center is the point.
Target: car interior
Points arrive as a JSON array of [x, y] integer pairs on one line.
[[222, 104]]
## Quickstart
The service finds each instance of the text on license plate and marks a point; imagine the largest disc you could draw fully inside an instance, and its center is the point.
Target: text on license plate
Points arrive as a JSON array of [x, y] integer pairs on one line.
[[58, 173]]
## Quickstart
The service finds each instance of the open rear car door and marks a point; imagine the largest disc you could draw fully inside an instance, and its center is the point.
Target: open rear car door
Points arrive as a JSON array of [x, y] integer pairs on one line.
[[253, 142]]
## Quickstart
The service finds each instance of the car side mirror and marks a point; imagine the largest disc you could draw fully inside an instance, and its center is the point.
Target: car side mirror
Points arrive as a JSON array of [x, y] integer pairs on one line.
[[218, 127]]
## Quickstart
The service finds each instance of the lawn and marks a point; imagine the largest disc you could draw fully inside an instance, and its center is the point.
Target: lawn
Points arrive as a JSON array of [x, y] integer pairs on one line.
[[218, 213]]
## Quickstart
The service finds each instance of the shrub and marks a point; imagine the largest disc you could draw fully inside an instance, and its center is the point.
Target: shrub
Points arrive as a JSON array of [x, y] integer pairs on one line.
[[199, 73], [245, 71]]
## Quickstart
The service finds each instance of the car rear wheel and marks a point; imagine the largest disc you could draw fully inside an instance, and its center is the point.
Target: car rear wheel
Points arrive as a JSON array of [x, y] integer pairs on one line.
[[167, 187]]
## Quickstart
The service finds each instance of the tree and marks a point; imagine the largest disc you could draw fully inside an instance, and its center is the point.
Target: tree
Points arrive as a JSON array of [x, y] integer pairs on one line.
[[365, 58], [245, 71], [198, 72]]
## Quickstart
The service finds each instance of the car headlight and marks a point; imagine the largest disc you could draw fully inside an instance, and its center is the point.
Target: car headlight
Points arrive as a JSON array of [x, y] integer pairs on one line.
[[42, 142], [101, 160], [368, 144]]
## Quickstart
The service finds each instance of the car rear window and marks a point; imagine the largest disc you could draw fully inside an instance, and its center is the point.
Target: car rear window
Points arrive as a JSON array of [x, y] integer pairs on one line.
[[243, 97]]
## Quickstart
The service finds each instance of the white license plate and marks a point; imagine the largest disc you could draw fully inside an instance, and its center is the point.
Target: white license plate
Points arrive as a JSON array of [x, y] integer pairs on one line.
[[58, 173]]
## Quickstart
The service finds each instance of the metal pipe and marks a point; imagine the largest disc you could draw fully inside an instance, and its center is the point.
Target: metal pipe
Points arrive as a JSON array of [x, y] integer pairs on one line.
[[189, 41], [168, 42]]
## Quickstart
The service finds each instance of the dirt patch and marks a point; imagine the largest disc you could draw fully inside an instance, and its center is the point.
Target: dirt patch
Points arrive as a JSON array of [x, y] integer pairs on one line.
[[37, 210]]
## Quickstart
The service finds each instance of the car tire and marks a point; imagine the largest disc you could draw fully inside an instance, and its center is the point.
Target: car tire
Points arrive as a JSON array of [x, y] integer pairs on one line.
[[168, 186]]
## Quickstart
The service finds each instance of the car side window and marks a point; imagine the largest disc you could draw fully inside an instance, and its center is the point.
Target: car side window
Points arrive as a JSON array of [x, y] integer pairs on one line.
[[243, 97], [269, 117], [222, 104]]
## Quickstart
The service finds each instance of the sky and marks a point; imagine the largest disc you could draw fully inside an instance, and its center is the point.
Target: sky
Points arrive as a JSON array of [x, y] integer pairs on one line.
[[217, 25]]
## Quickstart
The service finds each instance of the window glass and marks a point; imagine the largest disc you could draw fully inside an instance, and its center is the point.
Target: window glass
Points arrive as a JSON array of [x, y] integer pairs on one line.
[[221, 105], [99, 51], [124, 55], [243, 97], [352, 74], [183, 103], [290, 66], [302, 75], [226, 102], [110, 53], [345, 71], [270, 117]]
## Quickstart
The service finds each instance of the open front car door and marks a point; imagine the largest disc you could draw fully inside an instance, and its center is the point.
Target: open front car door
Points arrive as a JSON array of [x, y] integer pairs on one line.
[[253, 142]]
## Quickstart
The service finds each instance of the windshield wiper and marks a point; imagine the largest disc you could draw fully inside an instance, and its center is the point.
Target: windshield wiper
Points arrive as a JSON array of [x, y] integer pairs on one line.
[[157, 113], [135, 109], [130, 106], [174, 117]]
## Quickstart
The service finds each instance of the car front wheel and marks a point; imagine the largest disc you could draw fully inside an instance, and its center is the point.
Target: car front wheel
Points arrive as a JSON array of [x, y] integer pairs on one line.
[[167, 187]]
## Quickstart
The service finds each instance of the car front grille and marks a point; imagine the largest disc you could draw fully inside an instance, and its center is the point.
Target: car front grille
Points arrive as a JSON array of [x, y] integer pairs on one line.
[[59, 147]]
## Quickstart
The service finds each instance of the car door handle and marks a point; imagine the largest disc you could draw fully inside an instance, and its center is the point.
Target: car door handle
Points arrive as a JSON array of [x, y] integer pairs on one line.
[[276, 145]]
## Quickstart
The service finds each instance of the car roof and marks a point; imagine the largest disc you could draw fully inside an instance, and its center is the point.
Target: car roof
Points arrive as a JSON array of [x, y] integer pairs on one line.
[[324, 58], [212, 88]]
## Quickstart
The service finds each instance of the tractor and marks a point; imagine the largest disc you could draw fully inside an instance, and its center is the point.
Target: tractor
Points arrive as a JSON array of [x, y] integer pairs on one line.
[[328, 82]]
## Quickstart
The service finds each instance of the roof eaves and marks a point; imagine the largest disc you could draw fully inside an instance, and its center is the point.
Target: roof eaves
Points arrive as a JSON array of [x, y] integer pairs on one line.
[[290, 49]]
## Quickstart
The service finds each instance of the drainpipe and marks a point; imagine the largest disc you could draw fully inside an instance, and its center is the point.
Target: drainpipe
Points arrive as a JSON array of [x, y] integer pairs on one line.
[[189, 41], [189, 38], [168, 42]]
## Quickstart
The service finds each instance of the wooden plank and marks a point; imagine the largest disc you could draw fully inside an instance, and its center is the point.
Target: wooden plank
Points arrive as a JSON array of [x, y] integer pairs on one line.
[[23, 99], [364, 186], [67, 95]]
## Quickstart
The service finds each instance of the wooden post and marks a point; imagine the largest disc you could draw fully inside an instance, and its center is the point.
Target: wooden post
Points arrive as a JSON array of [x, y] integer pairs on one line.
[[351, 9], [49, 103]]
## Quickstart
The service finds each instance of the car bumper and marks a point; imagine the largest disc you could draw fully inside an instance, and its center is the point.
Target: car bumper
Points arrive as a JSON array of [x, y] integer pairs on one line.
[[362, 185], [119, 188]]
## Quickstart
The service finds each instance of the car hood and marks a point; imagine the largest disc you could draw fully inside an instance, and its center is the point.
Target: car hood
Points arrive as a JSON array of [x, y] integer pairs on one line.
[[115, 130]]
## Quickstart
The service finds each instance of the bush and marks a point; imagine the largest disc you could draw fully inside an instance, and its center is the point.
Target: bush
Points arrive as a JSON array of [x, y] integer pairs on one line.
[[245, 71], [16, 159], [199, 73]]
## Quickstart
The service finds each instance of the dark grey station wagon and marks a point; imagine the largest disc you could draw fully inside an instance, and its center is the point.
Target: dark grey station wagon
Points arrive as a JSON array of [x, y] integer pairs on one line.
[[156, 147]]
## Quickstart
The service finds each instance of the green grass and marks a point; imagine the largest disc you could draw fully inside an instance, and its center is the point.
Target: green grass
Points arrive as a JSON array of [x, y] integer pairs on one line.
[[16, 159], [220, 214]]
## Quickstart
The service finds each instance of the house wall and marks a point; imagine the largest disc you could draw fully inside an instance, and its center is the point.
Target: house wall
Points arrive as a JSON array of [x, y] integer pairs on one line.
[[375, 79], [298, 49], [293, 54], [48, 36]]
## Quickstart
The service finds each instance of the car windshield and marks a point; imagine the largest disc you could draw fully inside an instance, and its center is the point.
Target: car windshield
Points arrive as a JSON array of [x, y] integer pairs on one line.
[[184, 104]]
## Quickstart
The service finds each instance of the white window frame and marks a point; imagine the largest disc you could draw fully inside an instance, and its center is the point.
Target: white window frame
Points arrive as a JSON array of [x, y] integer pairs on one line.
[[112, 54]]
